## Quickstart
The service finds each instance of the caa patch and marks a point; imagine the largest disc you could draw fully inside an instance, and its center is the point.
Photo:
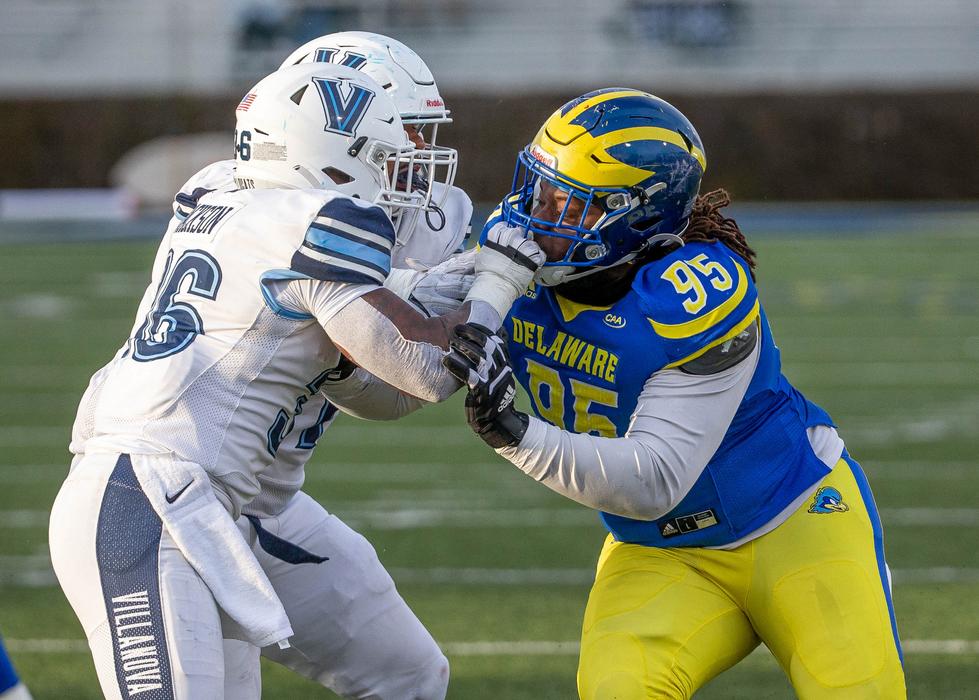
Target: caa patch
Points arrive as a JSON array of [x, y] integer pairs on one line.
[[828, 500], [614, 321]]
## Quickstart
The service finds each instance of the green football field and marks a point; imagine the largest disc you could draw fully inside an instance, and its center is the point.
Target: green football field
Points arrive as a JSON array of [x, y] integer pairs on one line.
[[883, 331]]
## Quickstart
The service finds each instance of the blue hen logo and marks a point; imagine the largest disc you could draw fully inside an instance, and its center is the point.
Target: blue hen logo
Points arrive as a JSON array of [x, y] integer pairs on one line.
[[828, 500]]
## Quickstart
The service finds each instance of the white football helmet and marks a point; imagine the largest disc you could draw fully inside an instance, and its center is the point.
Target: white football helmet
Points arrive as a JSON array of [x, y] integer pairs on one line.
[[322, 126], [410, 83]]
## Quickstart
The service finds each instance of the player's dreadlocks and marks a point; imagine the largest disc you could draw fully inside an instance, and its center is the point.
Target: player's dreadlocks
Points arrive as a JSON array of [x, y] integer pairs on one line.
[[708, 224]]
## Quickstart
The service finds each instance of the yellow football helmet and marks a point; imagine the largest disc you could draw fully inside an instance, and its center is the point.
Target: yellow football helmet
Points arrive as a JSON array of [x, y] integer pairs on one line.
[[629, 153]]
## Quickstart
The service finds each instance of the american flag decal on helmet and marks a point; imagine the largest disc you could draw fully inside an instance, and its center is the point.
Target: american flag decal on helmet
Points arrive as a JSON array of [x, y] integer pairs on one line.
[[246, 102]]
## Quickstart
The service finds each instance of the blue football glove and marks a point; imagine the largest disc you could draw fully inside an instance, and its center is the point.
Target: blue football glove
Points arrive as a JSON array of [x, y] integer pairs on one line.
[[478, 357]]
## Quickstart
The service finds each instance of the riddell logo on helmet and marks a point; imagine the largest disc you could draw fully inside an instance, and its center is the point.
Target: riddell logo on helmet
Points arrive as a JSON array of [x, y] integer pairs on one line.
[[543, 156], [434, 103]]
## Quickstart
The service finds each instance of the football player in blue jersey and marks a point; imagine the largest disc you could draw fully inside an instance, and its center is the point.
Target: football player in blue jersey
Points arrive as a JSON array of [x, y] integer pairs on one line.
[[735, 514], [11, 687]]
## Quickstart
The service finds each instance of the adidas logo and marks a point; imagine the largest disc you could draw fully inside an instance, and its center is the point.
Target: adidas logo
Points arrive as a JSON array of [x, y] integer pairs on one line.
[[668, 529]]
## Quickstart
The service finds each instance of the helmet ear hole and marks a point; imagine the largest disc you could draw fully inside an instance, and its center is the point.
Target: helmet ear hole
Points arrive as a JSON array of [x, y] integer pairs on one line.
[[337, 175], [645, 223]]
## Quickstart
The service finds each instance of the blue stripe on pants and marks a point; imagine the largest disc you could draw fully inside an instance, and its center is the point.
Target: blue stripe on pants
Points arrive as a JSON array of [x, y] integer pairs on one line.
[[868, 500], [127, 544]]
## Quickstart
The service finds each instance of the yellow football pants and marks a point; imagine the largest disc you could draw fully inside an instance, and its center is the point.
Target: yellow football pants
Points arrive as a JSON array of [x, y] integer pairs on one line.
[[660, 623]]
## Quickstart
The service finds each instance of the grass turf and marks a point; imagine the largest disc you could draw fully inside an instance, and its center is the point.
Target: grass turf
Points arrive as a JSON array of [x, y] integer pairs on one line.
[[880, 330]]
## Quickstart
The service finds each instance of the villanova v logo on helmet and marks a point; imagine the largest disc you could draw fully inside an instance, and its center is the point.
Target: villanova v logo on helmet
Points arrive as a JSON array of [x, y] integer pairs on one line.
[[353, 60], [343, 113]]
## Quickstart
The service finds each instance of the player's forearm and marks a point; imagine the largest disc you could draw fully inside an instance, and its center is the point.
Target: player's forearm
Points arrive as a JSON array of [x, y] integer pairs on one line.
[[436, 330], [363, 395], [679, 422], [395, 343], [615, 475]]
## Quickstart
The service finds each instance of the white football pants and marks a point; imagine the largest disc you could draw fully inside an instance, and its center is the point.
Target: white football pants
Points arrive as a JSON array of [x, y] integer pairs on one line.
[[353, 632], [156, 632]]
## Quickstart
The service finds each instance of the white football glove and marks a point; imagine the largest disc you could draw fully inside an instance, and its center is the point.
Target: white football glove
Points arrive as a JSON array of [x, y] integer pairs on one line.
[[438, 290], [505, 266]]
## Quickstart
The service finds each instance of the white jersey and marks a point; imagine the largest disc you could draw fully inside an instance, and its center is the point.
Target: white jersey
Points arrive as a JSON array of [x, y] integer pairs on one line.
[[215, 369], [433, 239]]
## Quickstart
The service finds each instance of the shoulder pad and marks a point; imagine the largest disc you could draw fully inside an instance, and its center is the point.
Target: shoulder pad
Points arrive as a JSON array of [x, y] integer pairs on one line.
[[346, 241], [724, 355], [210, 178], [698, 296]]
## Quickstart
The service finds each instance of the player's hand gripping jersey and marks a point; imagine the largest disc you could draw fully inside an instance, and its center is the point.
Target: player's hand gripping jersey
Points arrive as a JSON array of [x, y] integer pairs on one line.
[[653, 367]]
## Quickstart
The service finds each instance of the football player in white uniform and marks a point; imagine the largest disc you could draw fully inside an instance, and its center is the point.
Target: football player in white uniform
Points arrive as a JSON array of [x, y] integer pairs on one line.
[[431, 223], [254, 294]]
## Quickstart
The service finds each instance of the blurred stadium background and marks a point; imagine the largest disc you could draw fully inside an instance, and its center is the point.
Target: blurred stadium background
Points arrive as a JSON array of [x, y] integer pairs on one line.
[[846, 131]]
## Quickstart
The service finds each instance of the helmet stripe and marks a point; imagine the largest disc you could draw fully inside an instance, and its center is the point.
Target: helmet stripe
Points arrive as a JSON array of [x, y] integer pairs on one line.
[[657, 133]]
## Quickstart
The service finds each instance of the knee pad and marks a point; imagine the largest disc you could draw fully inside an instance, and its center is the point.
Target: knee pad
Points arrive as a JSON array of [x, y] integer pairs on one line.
[[615, 684], [616, 667], [838, 621]]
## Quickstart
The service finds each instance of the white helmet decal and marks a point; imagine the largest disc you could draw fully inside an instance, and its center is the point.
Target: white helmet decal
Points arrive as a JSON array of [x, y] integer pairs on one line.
[[409, 82], [343, 113]]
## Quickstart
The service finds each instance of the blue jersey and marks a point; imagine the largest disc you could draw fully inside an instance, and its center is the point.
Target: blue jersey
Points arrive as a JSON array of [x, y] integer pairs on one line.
[[584, 368]]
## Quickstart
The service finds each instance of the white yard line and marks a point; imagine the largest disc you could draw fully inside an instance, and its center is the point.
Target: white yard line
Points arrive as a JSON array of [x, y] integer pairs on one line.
[[24, 518], [494, 577], [34, 435], [948, 647], [46, 646], [937, 470], [34, 571], [880, 373], [412, 472], [417, 518], [381, 473], [952, 421], [346, 434], [448, 511], [33, 473]]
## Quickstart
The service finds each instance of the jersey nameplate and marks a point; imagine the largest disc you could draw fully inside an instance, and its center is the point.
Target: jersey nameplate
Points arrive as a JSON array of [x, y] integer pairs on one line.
[[566, 349], [203, 219], [687, 523]]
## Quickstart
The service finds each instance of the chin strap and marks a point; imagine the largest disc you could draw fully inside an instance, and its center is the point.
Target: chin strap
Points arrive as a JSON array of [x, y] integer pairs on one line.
[[661, 239]]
